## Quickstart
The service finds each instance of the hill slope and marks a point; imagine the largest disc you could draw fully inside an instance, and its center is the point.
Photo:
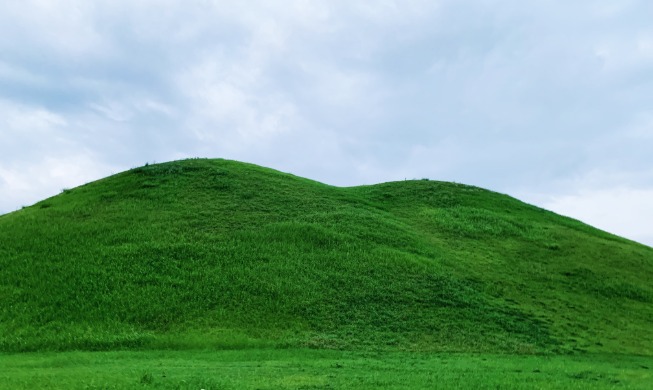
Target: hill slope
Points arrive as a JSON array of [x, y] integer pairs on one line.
[[219, 253]]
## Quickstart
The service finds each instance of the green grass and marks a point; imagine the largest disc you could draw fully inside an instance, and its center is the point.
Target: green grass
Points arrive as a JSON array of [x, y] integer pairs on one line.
[[318, 369], [226, 255]]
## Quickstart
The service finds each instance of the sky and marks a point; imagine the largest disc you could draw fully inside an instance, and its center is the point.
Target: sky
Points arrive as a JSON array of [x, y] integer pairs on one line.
[[549, 101]]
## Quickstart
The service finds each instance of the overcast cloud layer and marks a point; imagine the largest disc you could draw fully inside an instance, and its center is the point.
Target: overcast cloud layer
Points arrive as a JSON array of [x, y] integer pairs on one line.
[[549, 101]]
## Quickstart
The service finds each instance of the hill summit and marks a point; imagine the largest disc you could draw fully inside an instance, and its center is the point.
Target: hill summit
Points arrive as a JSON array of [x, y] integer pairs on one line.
[[217, 253]]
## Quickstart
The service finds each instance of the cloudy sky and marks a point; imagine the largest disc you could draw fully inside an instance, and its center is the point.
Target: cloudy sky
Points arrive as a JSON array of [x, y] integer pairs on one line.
[[550, 101]]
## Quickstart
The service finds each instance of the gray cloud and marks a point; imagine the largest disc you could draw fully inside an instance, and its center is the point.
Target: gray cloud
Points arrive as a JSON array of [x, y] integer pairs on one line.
[[547, 100]]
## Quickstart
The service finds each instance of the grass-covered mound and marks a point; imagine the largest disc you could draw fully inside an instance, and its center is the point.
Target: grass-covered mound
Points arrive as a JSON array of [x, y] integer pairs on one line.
[[216, 253]]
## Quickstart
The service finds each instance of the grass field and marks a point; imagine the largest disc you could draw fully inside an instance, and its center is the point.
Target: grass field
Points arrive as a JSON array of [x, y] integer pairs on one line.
[[249, 262], [319, 369]]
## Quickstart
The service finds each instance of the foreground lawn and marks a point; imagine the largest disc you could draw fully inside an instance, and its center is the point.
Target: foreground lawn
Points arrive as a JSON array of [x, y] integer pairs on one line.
[[316, 369]]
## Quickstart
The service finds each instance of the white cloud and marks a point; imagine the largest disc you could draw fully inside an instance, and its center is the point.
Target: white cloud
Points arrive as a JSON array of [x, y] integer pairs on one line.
[[42, 152], [623, 211], [642, 128], [125, 110], [225, 105], [19, 119], [33, 181], [546, 97], [64, 27], [615, 200], [11, 73], [26, 131]]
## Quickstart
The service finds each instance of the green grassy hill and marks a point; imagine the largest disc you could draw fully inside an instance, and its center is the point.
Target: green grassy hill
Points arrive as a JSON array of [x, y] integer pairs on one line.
[[216, 253]]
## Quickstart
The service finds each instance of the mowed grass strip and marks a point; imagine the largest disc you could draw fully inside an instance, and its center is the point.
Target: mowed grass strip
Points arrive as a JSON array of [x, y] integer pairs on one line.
[[319, 369]]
